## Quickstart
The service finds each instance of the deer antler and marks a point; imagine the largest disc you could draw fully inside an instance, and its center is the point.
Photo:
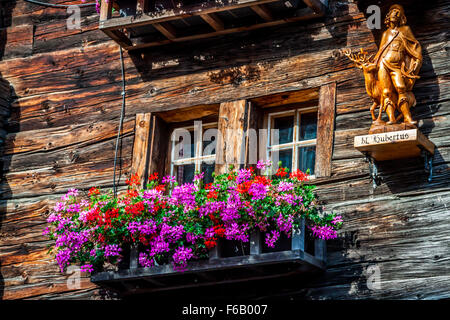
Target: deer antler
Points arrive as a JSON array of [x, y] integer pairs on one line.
[[358, 58]]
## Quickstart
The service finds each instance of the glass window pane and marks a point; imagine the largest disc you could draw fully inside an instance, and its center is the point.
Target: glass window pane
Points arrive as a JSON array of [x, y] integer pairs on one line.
[[307, 159], [308, 126], [285, 125], [285, 156], [185, 173], [208, 169], [209, 141], [185, 149]]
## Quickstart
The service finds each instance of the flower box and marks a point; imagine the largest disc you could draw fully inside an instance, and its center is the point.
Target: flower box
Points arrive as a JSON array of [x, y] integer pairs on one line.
[[237, 227], [218, 269]]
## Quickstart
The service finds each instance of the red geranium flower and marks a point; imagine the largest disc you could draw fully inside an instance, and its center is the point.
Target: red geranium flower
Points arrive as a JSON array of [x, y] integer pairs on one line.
[[93, 191], [281, 172], [243, 187], [219, 230], [299, 175], [212, 194], [134, 180], [210, 243], [153, 176]]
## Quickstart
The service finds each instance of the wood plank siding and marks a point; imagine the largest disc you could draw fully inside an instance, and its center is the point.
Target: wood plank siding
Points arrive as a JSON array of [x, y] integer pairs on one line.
[[60, 104]]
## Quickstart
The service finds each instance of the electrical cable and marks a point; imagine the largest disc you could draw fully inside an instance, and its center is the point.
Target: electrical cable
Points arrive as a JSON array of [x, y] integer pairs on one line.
[[52, 5], [122, 115]]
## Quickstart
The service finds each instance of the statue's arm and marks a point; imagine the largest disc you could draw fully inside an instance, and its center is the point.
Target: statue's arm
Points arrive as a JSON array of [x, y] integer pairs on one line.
[[413, 47]]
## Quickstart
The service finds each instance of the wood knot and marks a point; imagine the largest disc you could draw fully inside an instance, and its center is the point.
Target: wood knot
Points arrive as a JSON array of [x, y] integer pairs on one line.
[[142, 123]]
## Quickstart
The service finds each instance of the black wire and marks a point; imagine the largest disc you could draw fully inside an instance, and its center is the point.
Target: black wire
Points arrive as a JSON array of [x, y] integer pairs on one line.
[[122, 114], [45, 4]]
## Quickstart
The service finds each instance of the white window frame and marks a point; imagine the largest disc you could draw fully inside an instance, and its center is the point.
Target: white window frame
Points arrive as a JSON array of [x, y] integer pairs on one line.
[[198, 158], [296, 143]]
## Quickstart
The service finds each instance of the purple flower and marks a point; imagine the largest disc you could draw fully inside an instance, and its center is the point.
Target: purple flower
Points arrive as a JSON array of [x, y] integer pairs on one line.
[[145, 260], [169, 179], [63, 258], [244, 175], [285, 186], [271, 238], [112, 250], [199, 176], [324, 232], [337, 220], [59, 206], [184, 195], [87, 268], [284, 224], [236, 232], [181, 256], [262, 165], [258, 191]]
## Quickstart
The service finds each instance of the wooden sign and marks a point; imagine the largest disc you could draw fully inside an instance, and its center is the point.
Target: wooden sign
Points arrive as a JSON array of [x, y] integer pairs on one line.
[[394, 145]]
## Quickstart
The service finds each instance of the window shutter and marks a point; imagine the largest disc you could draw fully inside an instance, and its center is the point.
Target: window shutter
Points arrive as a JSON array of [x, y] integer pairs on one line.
[[236, 143], [325, 129], [150, 146]]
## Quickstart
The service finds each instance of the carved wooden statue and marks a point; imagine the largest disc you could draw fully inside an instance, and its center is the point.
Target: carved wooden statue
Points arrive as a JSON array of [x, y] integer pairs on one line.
[[390, 74]]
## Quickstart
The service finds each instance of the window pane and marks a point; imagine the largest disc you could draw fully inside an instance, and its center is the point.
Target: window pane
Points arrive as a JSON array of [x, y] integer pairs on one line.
[[209, 141], [185, 173], [208, 169], [285, 156], [308, 126], [285, 125], [185, 149], [307, 159]]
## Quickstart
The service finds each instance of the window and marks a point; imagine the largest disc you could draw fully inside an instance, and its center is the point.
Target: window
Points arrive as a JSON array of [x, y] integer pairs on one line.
[[193, 150], [292, 138]]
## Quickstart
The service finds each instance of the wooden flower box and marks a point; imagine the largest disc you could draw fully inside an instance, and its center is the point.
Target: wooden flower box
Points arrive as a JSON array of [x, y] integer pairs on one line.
[[297, 254]]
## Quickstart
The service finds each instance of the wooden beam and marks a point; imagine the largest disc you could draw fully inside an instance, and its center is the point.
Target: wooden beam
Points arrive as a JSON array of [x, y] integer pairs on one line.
[[196, 10], [139, 162], [225, 31], [166, 29], [141, 6], [325, 129], [119, 37], [213, 20], [263, 12], [106, 10], [316, 5]]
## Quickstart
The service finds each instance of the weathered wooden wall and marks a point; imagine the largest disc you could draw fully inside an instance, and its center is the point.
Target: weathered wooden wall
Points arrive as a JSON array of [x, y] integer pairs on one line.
[[60, 105]]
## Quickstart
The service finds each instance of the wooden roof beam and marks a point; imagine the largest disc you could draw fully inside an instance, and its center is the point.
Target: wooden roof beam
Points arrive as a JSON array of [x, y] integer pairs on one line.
[[316, 5], [213, 20], [263, 12], [166, 29], [307, 16], [199, 9]]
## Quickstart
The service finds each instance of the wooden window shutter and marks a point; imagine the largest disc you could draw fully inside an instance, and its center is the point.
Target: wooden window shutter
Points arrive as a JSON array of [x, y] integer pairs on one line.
[[325, 129], [234, 144], [150, 146]]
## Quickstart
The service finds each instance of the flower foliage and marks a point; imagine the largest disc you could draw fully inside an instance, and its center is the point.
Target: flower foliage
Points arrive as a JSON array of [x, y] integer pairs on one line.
[[171, 223]]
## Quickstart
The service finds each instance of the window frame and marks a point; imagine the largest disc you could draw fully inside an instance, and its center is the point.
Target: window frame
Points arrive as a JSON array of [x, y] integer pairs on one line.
[[198, 158], [296, 144]]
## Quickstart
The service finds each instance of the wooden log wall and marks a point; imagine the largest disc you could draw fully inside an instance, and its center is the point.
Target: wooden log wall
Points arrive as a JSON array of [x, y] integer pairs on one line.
[[60, 101]]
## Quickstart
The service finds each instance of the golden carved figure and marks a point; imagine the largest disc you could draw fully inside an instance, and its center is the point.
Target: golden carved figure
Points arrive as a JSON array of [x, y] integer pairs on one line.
[[390, 74]]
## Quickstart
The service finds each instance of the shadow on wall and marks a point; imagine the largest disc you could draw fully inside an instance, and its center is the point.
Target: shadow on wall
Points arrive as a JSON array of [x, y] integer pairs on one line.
[[7, 95]]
